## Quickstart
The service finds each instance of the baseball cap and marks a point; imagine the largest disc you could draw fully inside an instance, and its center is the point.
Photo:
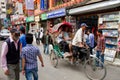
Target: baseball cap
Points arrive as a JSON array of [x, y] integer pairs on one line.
[[84, 24]]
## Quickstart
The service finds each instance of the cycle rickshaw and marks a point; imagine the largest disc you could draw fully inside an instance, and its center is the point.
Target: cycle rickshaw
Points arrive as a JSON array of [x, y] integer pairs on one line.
[[92, 71]]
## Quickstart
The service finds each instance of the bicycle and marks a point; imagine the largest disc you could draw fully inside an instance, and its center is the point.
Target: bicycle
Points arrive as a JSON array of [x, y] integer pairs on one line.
[[93, 70]]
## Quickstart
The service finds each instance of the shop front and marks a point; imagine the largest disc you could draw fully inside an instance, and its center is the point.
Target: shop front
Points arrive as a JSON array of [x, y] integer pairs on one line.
[[55, 17], [103, 15], [30, 27]]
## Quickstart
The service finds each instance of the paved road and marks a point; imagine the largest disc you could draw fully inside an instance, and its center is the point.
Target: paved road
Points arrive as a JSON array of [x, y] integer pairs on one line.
[[65, 71]]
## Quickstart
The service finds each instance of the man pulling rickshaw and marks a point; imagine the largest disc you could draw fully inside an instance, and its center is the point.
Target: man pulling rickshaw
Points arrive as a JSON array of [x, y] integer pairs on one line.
[[76, 49]]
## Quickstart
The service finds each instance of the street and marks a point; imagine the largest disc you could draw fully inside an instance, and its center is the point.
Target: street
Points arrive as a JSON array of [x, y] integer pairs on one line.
[[64, 71]]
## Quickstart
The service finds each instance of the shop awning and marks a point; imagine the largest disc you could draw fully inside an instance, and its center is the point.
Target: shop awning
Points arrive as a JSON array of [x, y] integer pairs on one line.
[[95, 7]]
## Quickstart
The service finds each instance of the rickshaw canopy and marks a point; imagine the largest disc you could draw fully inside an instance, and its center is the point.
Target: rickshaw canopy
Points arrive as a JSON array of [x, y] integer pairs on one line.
[[62, 25]]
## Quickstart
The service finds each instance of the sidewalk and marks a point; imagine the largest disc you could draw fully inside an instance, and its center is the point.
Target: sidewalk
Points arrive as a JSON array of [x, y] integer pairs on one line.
[[115, 63]]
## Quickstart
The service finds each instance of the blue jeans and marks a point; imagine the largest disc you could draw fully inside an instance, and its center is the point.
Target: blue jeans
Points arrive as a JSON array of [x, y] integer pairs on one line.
[[100, 56], [31, 73], [46, 48]]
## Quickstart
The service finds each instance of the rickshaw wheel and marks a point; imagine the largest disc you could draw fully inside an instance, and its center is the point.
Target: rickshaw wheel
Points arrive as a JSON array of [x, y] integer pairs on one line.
[[53, 58], [94, 71]]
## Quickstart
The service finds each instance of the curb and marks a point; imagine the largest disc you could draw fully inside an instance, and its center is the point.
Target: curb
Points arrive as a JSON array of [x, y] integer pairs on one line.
[[112, 63]]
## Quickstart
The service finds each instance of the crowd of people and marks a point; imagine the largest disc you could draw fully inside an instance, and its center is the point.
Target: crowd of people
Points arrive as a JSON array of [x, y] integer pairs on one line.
[[18, 48]]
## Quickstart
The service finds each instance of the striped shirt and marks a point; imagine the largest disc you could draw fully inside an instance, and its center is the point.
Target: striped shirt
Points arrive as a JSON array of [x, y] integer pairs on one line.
[[30, 53]]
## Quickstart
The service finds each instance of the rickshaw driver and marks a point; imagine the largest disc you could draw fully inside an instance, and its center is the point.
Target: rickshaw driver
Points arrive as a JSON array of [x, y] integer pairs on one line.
[[79, 42]]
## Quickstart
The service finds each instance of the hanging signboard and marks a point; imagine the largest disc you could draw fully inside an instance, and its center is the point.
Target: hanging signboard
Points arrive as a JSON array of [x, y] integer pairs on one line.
[[56, 13], [30, 19], [37, 18]]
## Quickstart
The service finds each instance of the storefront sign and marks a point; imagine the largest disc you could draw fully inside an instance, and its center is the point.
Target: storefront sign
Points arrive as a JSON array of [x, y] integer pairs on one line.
[[30, 19], [43, 16], [37, 18], [57, 13]]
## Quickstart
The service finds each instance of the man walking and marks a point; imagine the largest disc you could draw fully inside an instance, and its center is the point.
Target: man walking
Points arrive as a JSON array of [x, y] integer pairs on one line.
[[90, 40], [10, 55], [37, 36], [29, 59], [22, 41], [47, 40], [100, 46]]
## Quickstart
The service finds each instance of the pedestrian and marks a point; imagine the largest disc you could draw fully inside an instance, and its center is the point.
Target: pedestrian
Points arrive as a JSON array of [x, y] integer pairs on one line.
[[29, 59], [47, 40], [10, 55], [41, 29], [91, 40], [22, 41], [100, 48], [41, 34], [37, 36]]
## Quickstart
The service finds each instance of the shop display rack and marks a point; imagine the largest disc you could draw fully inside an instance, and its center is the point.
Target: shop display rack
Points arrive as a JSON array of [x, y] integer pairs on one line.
[[109, 24]]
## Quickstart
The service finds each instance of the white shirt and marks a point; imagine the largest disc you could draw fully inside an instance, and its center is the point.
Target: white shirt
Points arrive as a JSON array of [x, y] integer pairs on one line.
[[78, 37], [41, 34]]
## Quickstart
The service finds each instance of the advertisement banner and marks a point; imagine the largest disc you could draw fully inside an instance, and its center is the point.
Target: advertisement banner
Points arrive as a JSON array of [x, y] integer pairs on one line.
[[42, 5], [20, 8], [29, 4]]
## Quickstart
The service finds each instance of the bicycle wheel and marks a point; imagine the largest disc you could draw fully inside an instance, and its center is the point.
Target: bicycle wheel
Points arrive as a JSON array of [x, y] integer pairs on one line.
[[95, 69], [53, 58]]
